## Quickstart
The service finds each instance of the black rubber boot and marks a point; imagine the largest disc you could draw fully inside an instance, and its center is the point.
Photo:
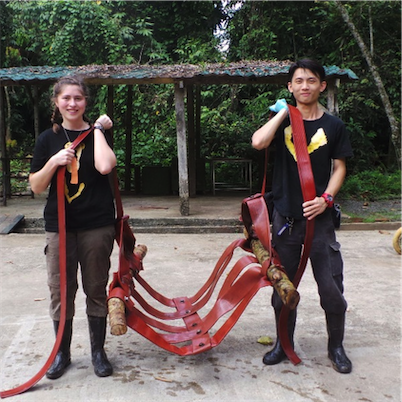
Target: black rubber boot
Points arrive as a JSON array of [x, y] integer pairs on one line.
[[97, 333], [336, 352], [63, 356], [277, 354]]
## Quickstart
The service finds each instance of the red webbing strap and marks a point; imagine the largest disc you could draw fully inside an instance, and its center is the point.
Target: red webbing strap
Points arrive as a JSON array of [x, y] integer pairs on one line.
[[187, 308], [243, 281], [255, 218], [199, 300], [236, 293], [309, 193], [190, 306], [63, 279], [205, 292], [200, 339]]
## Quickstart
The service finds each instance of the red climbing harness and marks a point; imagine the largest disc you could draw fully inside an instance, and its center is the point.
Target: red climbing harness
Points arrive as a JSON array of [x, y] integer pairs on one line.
[[243, 281]]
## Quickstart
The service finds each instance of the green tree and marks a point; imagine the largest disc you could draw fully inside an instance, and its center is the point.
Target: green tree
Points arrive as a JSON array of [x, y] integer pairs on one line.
[[68, 33], [291, 30], [167, 32], [5, 45], [369, 57]]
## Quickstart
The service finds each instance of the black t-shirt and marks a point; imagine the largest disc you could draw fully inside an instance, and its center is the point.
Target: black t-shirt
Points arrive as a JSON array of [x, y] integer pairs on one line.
[[89, 204], [327, 139]]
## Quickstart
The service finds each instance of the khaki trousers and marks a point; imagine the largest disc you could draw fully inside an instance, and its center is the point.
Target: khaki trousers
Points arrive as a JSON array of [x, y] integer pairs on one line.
[[90, 250]]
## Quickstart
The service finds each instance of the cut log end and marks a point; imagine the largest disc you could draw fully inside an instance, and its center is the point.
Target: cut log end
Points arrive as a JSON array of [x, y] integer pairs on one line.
[[117, 316], [277, 276]]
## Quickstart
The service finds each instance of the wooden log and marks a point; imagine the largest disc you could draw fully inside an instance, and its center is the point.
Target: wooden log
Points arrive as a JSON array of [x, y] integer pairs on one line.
[[277, 276], [116, 306], [141, 251], [117, 316]]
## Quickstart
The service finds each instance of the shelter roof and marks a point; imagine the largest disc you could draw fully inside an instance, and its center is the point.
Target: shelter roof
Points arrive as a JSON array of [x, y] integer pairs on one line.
[[244, 72]]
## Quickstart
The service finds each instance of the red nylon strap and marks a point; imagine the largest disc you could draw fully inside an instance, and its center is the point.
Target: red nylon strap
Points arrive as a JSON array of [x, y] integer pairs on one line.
[[309, 193], [243, 281], [256, 219], [237, 291], [63, 279]]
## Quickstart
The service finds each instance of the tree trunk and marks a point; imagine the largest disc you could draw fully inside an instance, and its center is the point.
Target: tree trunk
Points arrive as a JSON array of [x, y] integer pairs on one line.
[[395, 135]]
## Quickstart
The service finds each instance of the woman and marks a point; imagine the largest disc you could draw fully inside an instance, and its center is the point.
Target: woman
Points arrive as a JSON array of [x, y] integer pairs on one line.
[[90, 215]]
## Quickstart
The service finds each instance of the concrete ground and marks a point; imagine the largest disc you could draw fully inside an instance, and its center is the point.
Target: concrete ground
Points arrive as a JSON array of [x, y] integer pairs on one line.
[[177, 265]]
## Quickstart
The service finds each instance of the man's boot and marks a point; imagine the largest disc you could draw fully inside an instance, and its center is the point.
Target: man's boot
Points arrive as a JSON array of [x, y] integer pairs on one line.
[[277, 354], [63, 356], [336, 352], [97, 333]]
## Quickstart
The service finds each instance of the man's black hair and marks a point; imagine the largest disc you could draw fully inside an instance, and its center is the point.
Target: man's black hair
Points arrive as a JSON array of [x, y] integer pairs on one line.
[[308, 64]]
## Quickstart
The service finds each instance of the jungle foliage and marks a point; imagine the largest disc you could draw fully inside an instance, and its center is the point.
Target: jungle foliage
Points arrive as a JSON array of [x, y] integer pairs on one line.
[[152, 32]]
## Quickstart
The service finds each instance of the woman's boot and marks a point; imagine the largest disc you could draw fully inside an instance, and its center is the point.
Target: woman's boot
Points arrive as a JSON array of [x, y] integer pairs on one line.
[[336, 352], [63, 356], [97, 333]]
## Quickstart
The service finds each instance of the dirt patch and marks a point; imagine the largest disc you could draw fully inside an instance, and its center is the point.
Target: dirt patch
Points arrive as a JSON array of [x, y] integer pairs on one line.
[[359, 210]]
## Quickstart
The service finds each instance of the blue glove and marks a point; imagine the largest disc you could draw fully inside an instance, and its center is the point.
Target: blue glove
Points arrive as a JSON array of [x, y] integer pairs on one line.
[[279, 105]]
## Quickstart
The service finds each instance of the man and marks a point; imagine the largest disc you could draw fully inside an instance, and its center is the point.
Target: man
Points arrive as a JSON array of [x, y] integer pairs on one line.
[[328, 146]]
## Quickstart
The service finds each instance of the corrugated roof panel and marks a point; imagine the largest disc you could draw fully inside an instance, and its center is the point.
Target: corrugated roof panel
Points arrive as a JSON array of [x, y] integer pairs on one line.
[[334, 70], [110, 73]]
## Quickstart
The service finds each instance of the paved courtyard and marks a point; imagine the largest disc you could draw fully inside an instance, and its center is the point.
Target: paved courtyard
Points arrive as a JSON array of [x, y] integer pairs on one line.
[[177, 265]]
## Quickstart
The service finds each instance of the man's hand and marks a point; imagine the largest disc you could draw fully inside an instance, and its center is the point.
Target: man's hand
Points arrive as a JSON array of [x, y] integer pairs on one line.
[[313, 208], [279, 105]]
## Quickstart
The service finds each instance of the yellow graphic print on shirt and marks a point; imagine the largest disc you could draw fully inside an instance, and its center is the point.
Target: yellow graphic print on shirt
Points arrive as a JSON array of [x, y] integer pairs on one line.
[[78, 153], [318, 140]]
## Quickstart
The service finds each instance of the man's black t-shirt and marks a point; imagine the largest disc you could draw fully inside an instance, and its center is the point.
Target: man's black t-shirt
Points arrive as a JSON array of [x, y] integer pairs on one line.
[[327, 139], [89, 204]]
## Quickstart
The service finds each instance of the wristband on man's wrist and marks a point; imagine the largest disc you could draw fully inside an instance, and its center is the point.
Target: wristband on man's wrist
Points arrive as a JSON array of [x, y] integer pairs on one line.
[[99, 126], [329, 199]]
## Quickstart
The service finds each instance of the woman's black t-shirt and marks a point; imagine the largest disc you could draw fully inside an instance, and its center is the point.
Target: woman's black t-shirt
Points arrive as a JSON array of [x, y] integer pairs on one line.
[[89, 204]]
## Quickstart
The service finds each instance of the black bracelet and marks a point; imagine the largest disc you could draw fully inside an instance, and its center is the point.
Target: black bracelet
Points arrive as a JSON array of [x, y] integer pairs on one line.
[[100, 127]]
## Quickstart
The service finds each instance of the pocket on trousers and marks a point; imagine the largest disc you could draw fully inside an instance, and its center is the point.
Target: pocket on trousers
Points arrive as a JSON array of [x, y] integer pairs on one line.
[[336, 259]]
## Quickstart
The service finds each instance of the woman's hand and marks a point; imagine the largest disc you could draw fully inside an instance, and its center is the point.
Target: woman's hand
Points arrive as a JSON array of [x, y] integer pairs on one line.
[[105, 121], [40, 180], [63, 157]]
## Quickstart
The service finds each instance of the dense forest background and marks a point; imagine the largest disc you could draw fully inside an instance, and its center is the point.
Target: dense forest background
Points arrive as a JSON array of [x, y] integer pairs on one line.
[[364, 36]]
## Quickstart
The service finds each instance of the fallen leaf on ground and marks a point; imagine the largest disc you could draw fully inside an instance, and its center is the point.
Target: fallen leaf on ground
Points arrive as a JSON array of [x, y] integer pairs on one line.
[[265, 340]]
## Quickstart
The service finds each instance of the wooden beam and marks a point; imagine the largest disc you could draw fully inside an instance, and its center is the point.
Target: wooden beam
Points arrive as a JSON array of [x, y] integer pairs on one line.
[[35, 93], [200, 163], [182, 149], [5, 162], [332, 98], [198, 121], [110, 101], [191, 141], [129, 141]]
